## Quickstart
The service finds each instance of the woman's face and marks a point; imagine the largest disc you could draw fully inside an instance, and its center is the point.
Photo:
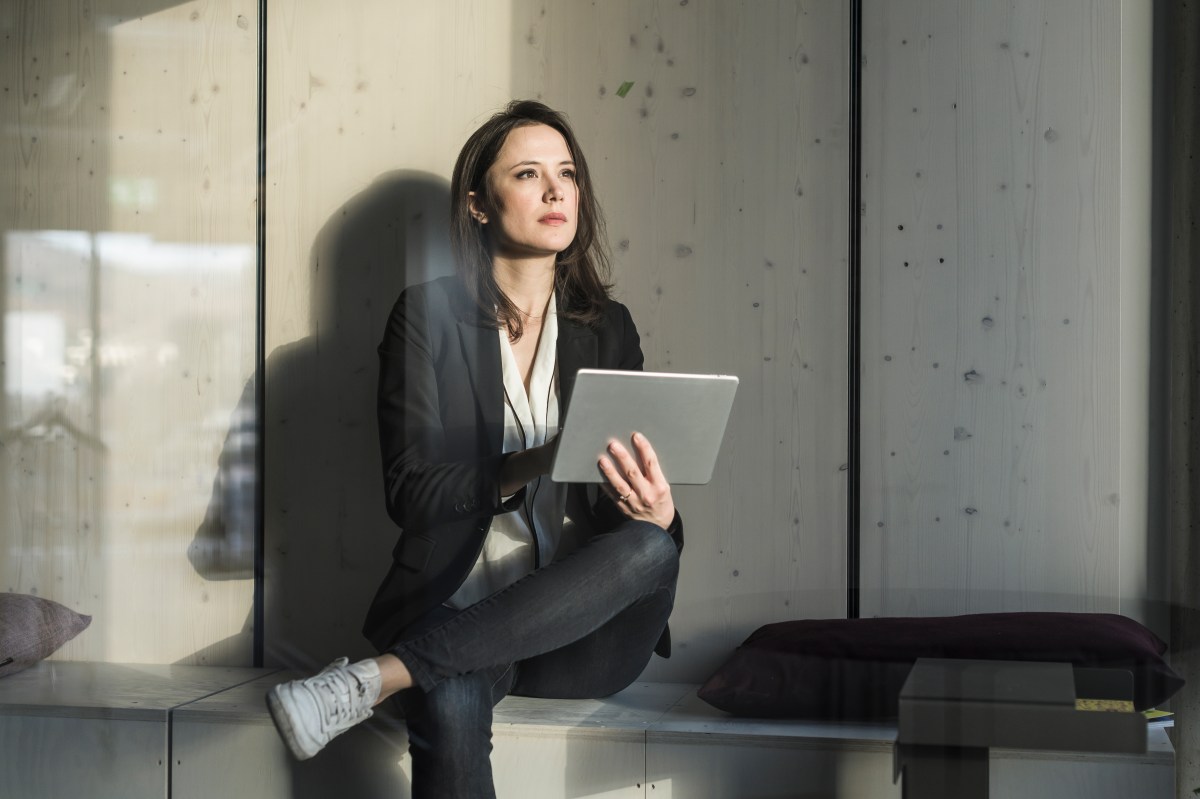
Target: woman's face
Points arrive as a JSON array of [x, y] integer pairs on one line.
[[534, 202]]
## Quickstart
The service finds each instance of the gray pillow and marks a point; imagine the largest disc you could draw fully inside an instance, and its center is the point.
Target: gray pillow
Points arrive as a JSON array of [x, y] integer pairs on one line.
[[32, 628]]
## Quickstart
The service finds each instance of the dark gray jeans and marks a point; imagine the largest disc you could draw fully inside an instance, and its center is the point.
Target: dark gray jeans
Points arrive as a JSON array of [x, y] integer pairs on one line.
[[583, 627]]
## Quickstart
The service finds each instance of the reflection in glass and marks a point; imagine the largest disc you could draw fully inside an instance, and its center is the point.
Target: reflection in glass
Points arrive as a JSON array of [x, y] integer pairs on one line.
[[127, 290]]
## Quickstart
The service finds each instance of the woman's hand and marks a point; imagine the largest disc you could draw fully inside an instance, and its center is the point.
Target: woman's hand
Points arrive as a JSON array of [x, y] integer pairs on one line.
[[637, 485]]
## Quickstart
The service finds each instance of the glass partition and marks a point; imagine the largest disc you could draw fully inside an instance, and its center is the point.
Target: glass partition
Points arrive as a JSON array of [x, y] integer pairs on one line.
[[127, 286]]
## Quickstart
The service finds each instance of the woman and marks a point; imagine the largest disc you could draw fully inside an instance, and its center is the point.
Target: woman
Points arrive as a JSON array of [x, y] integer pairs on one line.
[[502, 581]]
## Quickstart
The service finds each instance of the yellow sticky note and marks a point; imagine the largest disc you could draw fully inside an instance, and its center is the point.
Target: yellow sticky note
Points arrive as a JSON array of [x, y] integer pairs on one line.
[[1105, 705]]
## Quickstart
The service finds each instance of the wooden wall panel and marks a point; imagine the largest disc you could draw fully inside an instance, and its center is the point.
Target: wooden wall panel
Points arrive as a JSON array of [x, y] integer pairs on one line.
[[995, 309], [722, 173], [362, 135], [48, 757], [1144, 574], [129, 311], [51, 483]]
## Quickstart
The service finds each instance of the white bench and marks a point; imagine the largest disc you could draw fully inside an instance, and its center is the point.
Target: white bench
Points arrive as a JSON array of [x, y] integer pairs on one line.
[[96, 730]]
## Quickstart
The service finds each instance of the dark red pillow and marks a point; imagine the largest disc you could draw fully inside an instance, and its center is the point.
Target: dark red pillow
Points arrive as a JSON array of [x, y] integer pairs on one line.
[[33, 628], [854, 668]]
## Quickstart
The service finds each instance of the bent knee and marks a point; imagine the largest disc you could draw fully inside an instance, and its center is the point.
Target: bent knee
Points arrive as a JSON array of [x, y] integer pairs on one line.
[[648, 545]]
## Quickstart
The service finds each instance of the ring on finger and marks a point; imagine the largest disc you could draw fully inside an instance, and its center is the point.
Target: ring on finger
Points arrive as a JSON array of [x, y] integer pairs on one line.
[[626, 496]]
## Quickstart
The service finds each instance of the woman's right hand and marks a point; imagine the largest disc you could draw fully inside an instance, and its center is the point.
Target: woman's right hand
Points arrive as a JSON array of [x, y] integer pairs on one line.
[[636, 484]]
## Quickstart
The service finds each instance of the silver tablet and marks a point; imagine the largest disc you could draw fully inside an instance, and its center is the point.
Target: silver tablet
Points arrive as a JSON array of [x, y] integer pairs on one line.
[[682, 415]]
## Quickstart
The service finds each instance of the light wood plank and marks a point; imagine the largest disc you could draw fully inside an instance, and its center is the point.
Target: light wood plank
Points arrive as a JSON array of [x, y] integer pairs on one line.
[[1017, 776], [575, 763], [49, 758], [182, 143], [694, 750], [1145, 581], [991, 366], [137, 692], [692, 716], [129, 272], [237, 758], [363, 136], [51, 486], [662, 733], [736, 109], [637, 707], [704, 768]]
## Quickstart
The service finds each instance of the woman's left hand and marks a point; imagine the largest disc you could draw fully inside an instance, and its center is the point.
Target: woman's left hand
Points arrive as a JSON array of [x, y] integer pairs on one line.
[[637, 485]]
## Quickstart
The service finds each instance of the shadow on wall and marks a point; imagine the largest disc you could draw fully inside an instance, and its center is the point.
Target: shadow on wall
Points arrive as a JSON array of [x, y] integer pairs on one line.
[[328, 536]]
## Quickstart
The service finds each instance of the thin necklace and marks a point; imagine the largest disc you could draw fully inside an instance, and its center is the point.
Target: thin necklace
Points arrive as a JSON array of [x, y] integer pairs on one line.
[[543, 313]]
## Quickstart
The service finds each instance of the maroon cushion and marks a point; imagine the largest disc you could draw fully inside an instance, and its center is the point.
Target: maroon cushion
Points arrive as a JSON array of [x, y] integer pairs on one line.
[[32, 628], [854, 668]]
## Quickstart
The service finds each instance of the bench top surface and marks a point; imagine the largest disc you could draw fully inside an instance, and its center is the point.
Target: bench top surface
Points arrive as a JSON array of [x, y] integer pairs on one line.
[[662, 712], [637, 707], [113, 690], [660, 709], [245, 702], [691, 715]]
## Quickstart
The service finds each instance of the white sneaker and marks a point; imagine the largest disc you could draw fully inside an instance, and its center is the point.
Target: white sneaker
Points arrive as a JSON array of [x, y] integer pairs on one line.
[[310, 713]]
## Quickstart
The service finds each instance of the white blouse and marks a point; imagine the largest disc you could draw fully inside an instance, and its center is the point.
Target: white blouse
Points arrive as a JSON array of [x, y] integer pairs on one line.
[[508, 552]]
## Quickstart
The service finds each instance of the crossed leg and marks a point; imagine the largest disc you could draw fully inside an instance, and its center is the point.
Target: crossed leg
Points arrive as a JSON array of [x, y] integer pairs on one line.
[[585, 630]]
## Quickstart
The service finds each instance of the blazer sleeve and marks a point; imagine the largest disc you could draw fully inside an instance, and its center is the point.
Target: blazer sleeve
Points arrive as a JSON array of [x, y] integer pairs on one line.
[[423, 486]]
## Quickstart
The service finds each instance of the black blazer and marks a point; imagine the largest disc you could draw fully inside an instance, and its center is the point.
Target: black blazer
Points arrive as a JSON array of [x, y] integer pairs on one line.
[[441, 431]]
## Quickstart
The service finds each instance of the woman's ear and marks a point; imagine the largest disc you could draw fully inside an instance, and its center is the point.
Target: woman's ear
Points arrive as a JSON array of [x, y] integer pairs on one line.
[[473, 205]]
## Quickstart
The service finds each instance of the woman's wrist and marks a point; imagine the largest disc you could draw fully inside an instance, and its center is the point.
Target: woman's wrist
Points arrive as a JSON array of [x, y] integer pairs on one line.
[[511, 474]]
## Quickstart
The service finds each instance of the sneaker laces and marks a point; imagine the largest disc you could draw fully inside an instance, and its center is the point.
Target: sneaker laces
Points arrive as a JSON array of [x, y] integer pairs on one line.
[[345, 699]]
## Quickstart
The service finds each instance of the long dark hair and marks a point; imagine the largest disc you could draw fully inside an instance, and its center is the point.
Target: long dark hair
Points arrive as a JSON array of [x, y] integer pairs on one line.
[[581, 272]]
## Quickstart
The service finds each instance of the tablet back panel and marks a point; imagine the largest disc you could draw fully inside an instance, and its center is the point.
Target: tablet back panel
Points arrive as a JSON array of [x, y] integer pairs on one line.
[[682, 415]]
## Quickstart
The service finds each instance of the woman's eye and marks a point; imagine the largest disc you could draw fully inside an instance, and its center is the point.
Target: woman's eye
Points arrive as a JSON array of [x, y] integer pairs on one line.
[[528, 173], [569, 174]]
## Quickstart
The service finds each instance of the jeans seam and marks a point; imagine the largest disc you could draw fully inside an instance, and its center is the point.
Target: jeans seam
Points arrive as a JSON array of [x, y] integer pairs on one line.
[[503, 674]]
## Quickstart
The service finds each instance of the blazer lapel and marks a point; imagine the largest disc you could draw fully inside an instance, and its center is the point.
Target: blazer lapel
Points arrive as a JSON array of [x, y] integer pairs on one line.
[[577, 350], [481, 353]]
